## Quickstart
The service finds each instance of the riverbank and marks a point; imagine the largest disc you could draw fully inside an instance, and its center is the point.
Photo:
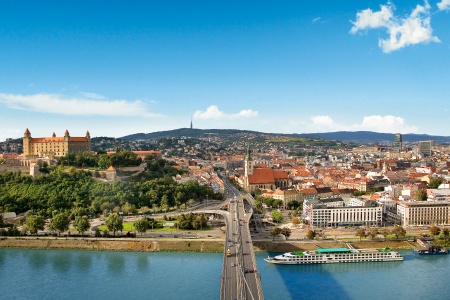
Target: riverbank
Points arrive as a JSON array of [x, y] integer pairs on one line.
[[182, 245]]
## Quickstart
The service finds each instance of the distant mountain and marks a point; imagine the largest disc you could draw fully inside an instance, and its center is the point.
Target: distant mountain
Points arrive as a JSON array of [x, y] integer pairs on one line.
[[344, 136], [373, 137]]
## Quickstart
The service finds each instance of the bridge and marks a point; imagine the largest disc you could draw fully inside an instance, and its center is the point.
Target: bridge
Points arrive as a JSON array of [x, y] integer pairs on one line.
[[240, 277]]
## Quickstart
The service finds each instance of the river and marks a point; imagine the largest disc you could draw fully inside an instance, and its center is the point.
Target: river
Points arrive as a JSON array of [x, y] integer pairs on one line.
[[71, 274]]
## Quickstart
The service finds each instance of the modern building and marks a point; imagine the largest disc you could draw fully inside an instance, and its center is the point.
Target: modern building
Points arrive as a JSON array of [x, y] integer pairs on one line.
[[397, 143], [333, 212], [418, 213], [425, 148], [54, 146]]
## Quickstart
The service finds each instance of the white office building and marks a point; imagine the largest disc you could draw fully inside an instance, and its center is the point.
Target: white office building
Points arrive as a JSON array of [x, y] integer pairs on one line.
[[332, 213]]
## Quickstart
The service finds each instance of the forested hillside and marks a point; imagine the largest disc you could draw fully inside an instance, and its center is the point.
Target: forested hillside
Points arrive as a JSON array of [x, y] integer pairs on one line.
[[76, 193]]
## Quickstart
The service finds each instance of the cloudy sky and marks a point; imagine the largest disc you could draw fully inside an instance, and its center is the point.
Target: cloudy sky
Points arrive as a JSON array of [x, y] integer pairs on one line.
[[273, 66]]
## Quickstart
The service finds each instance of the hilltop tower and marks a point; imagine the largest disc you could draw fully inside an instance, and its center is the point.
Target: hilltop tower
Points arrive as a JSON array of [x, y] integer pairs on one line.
[[191, 124]]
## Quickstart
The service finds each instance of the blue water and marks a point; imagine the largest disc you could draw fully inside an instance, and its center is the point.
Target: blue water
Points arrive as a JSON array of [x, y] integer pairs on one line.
[[68, 274]]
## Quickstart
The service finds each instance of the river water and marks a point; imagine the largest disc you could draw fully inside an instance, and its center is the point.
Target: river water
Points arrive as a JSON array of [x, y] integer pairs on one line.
[[70, 274]]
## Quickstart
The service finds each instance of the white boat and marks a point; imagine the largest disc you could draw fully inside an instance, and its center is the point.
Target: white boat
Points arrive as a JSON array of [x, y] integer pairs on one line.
[[335, 255]]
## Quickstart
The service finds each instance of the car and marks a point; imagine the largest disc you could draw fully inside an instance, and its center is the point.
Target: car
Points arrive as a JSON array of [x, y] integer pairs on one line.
[[251, 270], [244, 253], [232, 264], [246, 271]]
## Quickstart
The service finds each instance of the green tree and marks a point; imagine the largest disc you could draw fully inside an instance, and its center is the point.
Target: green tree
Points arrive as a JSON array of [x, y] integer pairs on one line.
[[60, 223], [81, 224], [399, 231], [445, 231], [434, 230], [114, 223], [274, 232], [435, 183], [311, 234], [421, 195], [35, 223], [361, 233], [141, 225], [277, 216]]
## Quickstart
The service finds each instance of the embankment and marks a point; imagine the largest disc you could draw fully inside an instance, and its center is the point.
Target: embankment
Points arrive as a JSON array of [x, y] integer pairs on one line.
[[144, 245], [180, 245]]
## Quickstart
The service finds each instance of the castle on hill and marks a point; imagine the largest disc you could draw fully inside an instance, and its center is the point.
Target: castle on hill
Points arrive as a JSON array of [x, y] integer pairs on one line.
[[54, 146]]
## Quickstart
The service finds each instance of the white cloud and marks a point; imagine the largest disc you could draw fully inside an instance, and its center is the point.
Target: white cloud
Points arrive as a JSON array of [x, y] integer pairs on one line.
[[377, 123], [414, 29], [444, 5], [368, 19], [213, 112], [322, 121], [57, 104], [389, 124], [315, 20]]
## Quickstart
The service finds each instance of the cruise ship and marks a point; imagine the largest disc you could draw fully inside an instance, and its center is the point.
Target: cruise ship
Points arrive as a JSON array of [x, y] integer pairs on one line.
[[335, 255]]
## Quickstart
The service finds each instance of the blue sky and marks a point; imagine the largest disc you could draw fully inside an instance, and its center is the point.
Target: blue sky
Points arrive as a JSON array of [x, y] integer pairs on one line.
[[122, 67]]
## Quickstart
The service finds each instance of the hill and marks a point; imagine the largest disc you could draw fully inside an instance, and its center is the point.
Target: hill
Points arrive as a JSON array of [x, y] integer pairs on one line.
[[374, 137], [187, 132], [344, 136]]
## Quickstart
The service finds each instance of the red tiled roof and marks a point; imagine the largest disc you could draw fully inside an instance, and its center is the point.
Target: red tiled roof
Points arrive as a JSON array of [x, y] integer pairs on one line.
[[261, 176], [278, 174]]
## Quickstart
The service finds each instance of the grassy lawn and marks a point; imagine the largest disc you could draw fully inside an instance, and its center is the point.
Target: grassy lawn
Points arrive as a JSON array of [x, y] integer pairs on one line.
[[129, 226]]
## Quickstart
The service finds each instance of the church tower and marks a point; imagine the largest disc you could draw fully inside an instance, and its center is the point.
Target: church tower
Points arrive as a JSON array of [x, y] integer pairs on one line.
[[248, 169]]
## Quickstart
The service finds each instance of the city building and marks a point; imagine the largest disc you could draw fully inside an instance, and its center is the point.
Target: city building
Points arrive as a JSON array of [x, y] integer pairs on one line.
[[262, 178], [425, 148], [54, 146], [397, 143], [418, 213], [333, 212]]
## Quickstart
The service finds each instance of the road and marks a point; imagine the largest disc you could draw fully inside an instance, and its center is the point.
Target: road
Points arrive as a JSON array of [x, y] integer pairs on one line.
[[240, 277]]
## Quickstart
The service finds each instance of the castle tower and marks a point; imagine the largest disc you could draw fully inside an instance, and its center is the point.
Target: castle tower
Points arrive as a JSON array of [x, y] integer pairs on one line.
[[66, 141], [88, 138], [26, 143]]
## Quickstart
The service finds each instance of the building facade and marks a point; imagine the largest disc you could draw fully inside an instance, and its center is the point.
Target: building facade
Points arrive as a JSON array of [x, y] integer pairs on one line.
[[54, 146], [397, 143], [418, 213], [333, 212]]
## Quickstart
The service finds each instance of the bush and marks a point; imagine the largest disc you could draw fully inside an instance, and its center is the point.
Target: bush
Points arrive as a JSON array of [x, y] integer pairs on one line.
[[97, 233]]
